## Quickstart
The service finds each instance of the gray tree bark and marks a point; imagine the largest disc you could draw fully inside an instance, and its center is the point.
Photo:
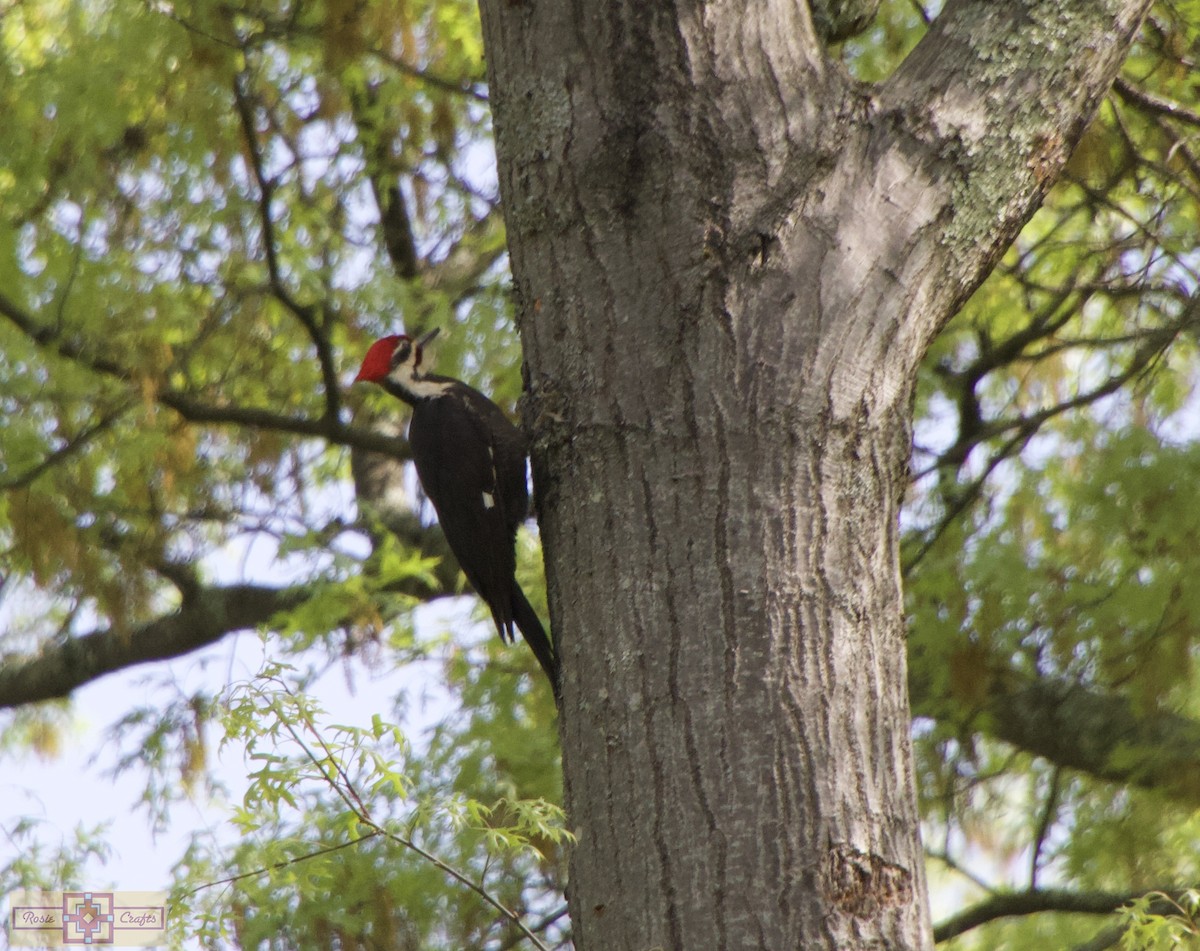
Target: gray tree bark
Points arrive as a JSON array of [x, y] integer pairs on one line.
[[729, 261]]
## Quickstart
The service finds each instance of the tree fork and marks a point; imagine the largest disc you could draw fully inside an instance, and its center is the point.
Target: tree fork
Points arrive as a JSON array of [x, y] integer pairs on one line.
[[730, 260]]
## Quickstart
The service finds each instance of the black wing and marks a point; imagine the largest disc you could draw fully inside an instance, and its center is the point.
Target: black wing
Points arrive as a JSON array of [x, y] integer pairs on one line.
[[509, 451], [471, 463]]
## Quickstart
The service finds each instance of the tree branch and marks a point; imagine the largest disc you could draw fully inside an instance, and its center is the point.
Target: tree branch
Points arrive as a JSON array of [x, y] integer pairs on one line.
[[394, 221], [470, 88], [974, 431], [331, 770], [332, 430], [195, 410], [1156, 105], [1032, 902], [60, 668], [206, 616], [295, 860], [538, 927], [991, 166], [1046, 820], [1096, 733], [66, 451], [305, 313]]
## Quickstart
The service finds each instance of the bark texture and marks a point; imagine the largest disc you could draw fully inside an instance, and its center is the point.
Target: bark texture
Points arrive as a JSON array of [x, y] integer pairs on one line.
[[729, 261]]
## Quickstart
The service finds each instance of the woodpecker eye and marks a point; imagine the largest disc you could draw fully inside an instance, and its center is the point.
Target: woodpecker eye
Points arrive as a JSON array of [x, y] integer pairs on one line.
[[401, 353]]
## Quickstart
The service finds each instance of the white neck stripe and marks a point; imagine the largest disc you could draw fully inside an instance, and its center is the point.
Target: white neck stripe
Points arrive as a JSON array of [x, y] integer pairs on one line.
[[419, 387]]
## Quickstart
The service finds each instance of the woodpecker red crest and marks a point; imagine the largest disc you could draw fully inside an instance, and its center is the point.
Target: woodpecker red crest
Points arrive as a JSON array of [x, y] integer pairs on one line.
[[378, 361], [387, 352]]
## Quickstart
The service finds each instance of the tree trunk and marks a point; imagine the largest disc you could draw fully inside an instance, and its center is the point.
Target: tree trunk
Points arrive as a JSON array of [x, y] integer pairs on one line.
[[729, 260]]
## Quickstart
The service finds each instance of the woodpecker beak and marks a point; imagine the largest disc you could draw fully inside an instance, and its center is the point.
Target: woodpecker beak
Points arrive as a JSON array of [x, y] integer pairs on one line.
[[428, 336]]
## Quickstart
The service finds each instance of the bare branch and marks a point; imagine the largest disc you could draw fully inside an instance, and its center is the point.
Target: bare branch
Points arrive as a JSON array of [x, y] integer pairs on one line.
[[1045, 821], [538, 927], [252, 417], [305, 313], [255, 873], [51, 337], [463, 87], [1020, 430]]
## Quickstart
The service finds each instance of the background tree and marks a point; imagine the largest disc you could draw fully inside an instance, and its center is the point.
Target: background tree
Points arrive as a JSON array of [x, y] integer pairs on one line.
[[207, 213]]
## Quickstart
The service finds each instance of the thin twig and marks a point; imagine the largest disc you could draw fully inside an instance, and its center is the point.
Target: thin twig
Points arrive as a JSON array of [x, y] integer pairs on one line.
[[278, 865], [354, 801], [1045, 821], [542, 925], [467, 88], [65, 452]]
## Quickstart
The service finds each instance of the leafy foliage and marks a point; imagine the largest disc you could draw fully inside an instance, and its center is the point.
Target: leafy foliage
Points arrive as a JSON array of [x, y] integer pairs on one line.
[[1050, 521], [1148, 929], [212, 209], [349, 838]]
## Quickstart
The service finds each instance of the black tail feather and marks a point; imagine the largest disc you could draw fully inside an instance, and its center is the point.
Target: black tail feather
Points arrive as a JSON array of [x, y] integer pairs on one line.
[[530, 625]]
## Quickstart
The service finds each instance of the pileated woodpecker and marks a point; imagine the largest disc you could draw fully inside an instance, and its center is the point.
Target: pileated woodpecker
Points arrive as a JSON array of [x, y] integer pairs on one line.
[[471, 462]]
